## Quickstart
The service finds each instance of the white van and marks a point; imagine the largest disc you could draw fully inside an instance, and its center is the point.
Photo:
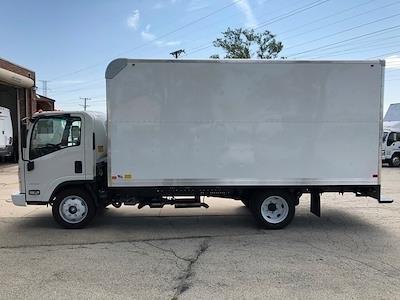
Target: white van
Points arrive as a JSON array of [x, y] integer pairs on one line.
[[6, 133]]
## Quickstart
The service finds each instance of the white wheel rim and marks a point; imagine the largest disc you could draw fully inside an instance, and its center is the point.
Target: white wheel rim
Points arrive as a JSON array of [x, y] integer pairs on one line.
[[73, 209], [274, 209]]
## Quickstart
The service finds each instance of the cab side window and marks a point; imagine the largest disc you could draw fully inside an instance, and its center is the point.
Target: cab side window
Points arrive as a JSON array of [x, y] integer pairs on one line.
[[52, 134], [74, 137], [391, 138]]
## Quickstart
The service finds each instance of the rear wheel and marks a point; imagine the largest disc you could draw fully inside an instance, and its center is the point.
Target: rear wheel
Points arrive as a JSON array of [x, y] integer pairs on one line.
[[73, 208], [273, 210]]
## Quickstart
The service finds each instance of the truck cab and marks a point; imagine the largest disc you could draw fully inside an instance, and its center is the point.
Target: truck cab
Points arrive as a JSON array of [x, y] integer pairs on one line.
[[391, 147], [63, 150]]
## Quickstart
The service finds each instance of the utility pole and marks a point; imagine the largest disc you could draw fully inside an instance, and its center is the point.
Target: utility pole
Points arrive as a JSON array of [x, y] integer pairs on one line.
[[85, 99], [177, 53], [44, 87]]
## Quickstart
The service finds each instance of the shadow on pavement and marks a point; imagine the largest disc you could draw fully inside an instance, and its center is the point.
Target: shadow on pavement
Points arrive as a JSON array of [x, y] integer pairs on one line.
[[110, 226]]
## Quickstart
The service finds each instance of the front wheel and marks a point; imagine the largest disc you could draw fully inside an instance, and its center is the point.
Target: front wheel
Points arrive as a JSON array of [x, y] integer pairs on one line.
[[273, 210], [73, 208], [395, 161]]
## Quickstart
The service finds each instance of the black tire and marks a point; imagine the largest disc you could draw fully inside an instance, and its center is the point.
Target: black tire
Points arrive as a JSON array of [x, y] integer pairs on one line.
[[277, 212], [82, 200], [246, 202], [395, 161]]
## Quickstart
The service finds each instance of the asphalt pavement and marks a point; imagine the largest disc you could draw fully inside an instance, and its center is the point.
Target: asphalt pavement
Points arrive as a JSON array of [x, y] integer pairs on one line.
[[352, 251]]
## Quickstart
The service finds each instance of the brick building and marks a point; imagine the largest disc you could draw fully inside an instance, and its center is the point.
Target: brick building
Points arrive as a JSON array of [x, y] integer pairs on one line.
[[18, 93], [44, 103]]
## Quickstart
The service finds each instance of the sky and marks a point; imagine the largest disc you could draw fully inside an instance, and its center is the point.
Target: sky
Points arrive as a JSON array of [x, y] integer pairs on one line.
[[69, 43]]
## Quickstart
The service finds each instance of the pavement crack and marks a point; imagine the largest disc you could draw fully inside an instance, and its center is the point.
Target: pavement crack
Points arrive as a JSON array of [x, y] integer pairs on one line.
[[167, 250], [185, 278]]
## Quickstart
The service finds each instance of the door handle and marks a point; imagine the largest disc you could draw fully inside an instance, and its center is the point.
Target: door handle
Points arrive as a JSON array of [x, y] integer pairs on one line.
[[78, 166], [30, 165]]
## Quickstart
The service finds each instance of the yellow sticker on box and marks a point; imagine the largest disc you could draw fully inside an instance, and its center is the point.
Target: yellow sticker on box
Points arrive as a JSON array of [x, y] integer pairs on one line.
[[128, 176]]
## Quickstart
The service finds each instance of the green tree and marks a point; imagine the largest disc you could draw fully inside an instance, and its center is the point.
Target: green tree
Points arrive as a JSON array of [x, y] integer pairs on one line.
[[246, 43]]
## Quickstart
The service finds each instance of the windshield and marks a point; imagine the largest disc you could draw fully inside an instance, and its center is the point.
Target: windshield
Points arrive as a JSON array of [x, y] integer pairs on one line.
[[51, 134], [385, 134]]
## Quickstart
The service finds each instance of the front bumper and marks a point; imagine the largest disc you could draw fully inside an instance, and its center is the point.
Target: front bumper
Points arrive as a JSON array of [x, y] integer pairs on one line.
[[19, 199], [7, 151]]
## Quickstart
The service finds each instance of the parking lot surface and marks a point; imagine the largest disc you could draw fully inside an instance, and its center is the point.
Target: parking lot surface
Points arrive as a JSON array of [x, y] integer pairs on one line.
[[352, 251]]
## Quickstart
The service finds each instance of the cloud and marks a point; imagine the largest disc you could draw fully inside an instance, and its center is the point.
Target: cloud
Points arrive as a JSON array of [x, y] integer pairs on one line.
[[158, 5], [151, 37], [133, 19], [195, 5], [162, 4], [68, 81], [246, 9], [393, 62], [146, 34], [172, 43]]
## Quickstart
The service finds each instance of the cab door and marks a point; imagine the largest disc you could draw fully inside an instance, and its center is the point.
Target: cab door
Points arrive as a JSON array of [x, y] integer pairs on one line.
[[56, 151]]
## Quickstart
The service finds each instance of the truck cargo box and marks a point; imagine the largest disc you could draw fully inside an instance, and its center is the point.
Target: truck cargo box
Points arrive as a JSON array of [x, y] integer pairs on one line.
[[241, 122]]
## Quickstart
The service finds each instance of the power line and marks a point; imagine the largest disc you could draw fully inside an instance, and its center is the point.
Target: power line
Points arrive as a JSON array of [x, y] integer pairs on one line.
[[343, 20], [270, 21], [385, 54], [362, 43], [44, 87], [67, 86], [85, 99], [327, 17], [292, 13], [357, 50], [345, 30], [68, 91], [346, 40], [208, 45], [201, 48], [155, 39], [365, 39]]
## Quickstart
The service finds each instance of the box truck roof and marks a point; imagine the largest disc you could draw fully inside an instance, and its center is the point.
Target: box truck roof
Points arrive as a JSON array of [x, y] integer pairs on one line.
[[118, 64]]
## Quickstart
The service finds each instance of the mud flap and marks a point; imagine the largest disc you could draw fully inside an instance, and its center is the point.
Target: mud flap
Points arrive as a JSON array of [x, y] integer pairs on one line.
[[315, 204]]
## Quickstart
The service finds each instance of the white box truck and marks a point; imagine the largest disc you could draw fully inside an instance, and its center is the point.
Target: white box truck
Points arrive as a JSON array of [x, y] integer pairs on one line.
[[391, 144], [263, 132], [391, 136], [6, 133]]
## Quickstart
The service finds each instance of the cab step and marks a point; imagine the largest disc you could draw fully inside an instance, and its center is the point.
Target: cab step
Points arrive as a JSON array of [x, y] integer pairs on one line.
[[188, 205]]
